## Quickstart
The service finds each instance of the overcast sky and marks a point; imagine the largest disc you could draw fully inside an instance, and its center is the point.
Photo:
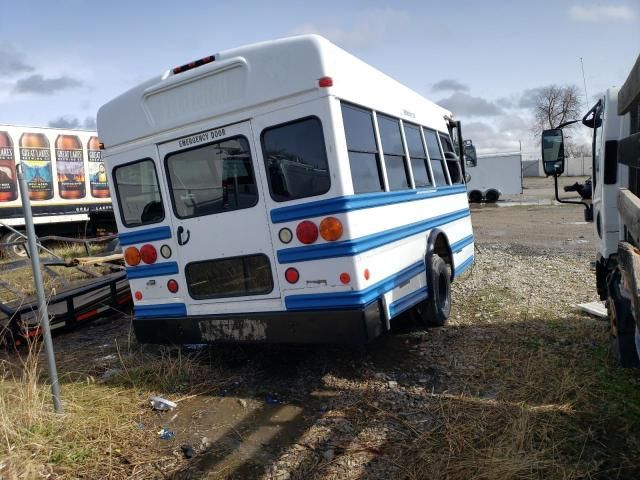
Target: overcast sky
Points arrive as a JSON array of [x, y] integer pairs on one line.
[[60, 61]]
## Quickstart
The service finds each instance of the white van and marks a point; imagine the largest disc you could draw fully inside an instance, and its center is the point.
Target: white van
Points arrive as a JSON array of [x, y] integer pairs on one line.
[[285, 192]]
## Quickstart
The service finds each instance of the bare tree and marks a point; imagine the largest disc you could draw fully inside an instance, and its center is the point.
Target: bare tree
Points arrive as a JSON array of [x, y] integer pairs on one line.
[[552, 106]]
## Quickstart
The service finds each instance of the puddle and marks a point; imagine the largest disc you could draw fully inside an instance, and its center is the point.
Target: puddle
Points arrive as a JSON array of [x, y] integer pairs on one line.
[[233, 437]]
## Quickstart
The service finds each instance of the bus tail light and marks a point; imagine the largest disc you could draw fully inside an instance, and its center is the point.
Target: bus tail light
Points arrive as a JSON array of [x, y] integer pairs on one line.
[[331, 229], [292, 275], [345, 278], [149, 254], [138, 295], [307, 232], [325, 82], [132, 256], [172, 286], [195, 64], [285, 235]]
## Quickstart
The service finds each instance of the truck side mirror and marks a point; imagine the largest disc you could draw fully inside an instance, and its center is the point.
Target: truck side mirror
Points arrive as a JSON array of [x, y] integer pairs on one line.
[[470, 155], [553, 151]]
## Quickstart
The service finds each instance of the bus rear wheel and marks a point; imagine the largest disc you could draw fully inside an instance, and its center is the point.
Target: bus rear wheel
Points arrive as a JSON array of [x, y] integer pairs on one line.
[[622, 326], [435, 310]]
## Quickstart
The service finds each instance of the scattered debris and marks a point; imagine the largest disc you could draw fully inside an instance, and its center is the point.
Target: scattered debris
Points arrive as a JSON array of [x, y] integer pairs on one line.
[[166, 434], [272, 400], [187, 451], [162, 404], [597, 309], [242, 402]]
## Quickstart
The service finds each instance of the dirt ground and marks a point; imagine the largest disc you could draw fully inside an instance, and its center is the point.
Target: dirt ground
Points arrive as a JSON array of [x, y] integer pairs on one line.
[[519, 384]]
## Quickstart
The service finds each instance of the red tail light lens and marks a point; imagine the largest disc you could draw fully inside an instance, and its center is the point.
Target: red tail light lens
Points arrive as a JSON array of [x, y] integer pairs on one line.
[[132, 256], [149, 254], [138, 295], [292, 275], [325, 82], [345, 278], [172, 286], [307, 232]]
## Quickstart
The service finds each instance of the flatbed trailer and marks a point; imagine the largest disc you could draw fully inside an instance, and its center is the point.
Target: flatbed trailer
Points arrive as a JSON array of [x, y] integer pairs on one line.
[[78, 301]]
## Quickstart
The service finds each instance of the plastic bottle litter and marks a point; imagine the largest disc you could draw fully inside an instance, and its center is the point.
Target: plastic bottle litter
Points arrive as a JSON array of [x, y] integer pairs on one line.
[[166, 434], [162, 404]]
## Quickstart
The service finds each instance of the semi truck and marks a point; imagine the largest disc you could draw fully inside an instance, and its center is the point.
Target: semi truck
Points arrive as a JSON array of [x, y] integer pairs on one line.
[[615, 206], [66, 180]]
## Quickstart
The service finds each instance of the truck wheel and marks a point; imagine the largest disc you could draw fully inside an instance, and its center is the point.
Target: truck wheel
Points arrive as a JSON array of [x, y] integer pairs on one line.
[[434, 311], [13, 251], [622, 326]]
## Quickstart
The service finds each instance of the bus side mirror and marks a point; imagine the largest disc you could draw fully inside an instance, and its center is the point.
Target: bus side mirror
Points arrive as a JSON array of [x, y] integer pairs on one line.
[[553, 151]]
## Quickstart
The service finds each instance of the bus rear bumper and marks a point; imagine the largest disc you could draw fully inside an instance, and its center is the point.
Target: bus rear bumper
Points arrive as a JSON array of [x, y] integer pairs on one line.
[[358, 326]]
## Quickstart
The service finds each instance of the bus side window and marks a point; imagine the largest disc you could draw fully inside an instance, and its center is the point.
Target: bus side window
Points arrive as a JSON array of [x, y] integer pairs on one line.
[[393, 153], [417, 155], [435, 155], [455, 172], [366, 174], [296, 160]]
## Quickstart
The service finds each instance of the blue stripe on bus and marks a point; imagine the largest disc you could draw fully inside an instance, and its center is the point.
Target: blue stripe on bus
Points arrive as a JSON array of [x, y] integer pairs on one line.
[[460, 269], [143, 271], [407, 301], [356, 246], [353, 299], [460, 244], [148, 235], [160, 310], [357, 202]]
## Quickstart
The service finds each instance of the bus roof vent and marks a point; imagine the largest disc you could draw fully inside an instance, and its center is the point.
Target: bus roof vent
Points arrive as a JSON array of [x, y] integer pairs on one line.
[[194, 64]]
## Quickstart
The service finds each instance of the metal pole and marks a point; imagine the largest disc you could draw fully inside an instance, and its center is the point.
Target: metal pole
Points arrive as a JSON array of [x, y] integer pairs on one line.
[[43, 313]]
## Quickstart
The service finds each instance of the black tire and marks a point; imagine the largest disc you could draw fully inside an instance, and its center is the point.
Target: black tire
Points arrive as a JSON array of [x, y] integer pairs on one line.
[[491, 196], [14, 251], [435, 310], [622, 330], [475, 196]]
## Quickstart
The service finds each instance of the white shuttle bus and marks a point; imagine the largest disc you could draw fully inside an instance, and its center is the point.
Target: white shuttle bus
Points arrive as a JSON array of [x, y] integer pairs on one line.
[[284, 192]]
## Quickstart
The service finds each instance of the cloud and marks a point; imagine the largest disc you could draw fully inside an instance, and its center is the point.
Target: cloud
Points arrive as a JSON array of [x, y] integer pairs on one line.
[[372, 28], [599, 13], [69, 122], [528, 97], [12, 61], [45, 86], [463, 104], [449, 84]]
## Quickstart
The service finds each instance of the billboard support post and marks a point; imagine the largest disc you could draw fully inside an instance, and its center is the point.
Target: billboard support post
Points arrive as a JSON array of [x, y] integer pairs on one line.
[[43, 313]]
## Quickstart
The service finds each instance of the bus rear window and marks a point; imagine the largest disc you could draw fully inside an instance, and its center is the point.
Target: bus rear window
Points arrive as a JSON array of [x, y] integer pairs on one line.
[[214, 178], [138, 193], [230, 277], [296, 160]]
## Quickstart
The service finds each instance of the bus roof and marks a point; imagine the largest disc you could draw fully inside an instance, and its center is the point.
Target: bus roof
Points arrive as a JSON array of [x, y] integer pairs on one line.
[[244, 77]]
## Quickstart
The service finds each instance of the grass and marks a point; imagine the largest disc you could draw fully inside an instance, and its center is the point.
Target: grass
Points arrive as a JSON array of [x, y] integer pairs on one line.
[[520, 387], [98, 436]]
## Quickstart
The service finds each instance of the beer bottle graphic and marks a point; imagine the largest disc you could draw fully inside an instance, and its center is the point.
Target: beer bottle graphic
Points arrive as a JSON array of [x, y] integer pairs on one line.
[[97, 171], [70, 167], [35, 157], [8, 185]]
